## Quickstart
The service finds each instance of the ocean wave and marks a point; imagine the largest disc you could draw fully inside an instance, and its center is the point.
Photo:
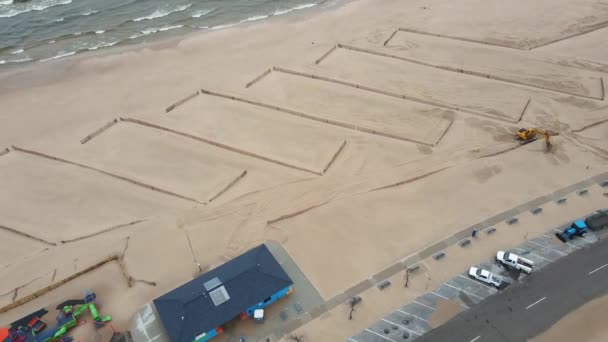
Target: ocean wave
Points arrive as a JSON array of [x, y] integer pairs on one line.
[[200, 13], [28, 7], [296, 8], [16, 60], [90, 12], [102, 45], [257, 17], [6, 2], [60, 55], [100, 32], [152, 30], [59, 20], [159, 13], [219, 27], [16, 52]]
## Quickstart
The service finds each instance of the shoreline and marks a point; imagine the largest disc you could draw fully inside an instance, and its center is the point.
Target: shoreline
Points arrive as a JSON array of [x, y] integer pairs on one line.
[[170, 41]]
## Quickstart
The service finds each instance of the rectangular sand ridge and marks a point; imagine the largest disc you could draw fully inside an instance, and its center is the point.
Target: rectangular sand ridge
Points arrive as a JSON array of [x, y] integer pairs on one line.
[[56, 201], [326, 101], [258, 130], [439, 87], [509, 65], [162, 159]]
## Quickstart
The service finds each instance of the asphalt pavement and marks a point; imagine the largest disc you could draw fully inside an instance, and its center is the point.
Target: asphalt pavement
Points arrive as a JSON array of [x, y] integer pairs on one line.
[[526, 309]]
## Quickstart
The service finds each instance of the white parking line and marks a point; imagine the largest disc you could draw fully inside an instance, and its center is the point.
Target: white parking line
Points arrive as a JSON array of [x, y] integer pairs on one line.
[[581, 237], [551, 249], [384, 337], [407, 313], [446, 298], [567, 243], [597, 269], [463, 291], [538, 301], [401, 326], [476, 338], [426, 306], [536, 255], [478, 282]]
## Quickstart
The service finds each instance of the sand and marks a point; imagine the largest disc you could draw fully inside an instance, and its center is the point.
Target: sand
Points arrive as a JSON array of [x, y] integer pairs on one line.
[[352, 163]]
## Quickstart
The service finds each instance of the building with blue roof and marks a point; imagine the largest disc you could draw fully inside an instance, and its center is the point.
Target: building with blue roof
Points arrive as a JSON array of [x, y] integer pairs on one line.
[[196, 311]]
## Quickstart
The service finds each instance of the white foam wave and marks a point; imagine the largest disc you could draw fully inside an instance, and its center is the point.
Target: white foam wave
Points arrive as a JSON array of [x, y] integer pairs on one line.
[[219, 27], [151, 30], [159, 13], [201, 13], [28, 7], [60, 55], [16, 60], [59, 20], [257, 17], [102, 45], [100, 32], [51, 42], [16, 52], [87, 13], [6, 2], [296, 8]]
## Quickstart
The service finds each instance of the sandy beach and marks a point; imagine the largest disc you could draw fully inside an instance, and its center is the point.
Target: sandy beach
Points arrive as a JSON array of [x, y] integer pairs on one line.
[[355, 134]]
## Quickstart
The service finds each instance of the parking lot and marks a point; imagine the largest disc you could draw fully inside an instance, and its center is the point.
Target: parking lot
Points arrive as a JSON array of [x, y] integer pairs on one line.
[[415, 319]]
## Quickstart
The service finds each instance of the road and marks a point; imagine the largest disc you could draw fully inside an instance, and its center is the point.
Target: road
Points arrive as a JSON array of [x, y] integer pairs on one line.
[[526, 309]]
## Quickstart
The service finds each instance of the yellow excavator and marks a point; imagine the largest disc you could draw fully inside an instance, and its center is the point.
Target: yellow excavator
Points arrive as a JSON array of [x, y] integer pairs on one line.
[[528, 135]]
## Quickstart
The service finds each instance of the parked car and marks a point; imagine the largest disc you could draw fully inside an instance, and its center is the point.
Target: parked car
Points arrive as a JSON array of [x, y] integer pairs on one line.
[[598, 221], [485, 276], [515, 261]]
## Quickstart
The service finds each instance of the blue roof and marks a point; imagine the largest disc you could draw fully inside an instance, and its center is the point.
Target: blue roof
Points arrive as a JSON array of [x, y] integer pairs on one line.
[[248, 279]]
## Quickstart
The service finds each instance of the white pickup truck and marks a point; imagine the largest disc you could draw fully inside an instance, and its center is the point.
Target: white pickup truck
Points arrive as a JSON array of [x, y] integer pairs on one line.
[[515, 261], [485, 276]]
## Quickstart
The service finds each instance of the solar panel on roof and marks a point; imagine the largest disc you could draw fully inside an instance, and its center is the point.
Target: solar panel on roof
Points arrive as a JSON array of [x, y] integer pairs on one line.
[[211, 284], [219, 295]]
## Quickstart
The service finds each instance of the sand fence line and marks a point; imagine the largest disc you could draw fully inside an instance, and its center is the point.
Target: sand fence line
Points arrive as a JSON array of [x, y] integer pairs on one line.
[[259, 78], [4, 151], [334, 157], [590, 126], [98, 131], [387, 93], [513, 46], [26, 235], [521, 116], [110, 174], [445, 131], [221, 145], [228, 186], [507, 45], [181, 102], [325, 55], [56, 285], [465, 71], [315, 118], [119, 258], [107, 230], [390, 37]]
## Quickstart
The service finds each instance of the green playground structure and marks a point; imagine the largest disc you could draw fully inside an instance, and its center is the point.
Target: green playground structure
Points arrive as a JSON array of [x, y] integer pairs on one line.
[[68, 319]]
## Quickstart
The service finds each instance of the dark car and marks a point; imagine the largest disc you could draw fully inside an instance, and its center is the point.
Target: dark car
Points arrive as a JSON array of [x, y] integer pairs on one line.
[[598, 221]]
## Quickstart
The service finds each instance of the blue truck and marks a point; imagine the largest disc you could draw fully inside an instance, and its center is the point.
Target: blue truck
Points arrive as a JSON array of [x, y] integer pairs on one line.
[[578, 228]]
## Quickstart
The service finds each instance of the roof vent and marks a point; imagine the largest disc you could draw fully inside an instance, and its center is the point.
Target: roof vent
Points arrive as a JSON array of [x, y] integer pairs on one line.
[[219, 296], [211, 284]]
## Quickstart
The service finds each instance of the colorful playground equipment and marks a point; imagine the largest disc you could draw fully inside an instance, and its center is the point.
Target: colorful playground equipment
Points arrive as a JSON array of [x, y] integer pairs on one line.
[[35, 328]]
